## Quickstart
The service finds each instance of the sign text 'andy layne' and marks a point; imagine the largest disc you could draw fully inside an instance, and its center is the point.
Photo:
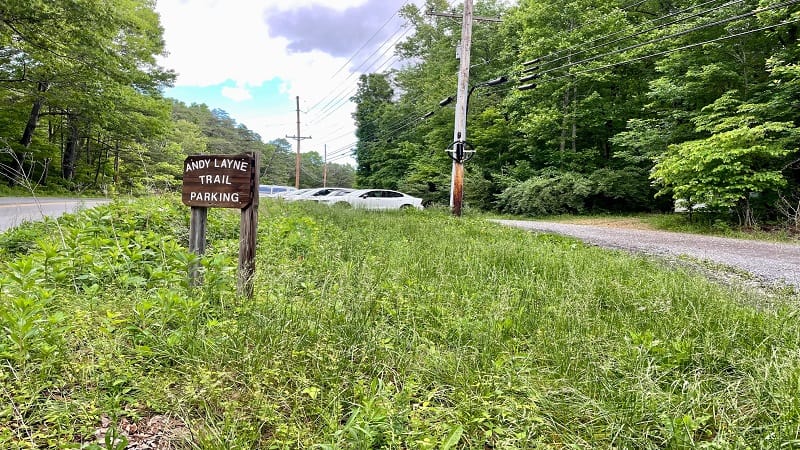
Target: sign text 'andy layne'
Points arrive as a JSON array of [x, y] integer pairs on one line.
[[218, 181]]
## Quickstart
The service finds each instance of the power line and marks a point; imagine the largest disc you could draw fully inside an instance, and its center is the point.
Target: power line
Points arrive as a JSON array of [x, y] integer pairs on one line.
[[338, 103], [344, 96], [352, 57], [624, 8], [370, 39], [410, 121], [347, 98], [647, 30], [367, 59], [685, 47], [664, 52], [664, 38], [399, 125]]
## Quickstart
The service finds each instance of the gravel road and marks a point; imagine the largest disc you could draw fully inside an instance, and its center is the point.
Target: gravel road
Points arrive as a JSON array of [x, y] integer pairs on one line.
[[774, 263]]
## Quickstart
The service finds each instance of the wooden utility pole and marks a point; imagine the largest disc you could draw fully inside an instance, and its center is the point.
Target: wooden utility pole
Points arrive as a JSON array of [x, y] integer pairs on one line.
[[299, 138], [459, 149], [460, 128], [325, 167]]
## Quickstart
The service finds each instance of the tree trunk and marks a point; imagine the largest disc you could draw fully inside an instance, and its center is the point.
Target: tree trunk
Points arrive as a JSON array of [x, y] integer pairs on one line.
[[574, 117], [46, 171], [33, 118], [748, 219], [607, 142], [116, 163], [71, 149], [27, 135], [565, 113], [99, 165]]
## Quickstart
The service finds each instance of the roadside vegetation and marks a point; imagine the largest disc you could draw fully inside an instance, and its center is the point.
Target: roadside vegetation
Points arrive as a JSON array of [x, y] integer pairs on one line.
[[632, 106], [389, 330]]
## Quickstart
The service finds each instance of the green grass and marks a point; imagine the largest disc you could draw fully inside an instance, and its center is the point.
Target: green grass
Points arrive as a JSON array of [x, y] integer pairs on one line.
[[381, 330]]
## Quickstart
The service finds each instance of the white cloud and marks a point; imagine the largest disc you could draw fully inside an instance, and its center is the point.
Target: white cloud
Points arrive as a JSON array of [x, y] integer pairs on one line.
[[211, 42], [237, 94]]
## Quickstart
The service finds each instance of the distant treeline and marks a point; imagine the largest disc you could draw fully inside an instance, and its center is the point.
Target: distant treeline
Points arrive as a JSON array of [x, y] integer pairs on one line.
[[83, 105]]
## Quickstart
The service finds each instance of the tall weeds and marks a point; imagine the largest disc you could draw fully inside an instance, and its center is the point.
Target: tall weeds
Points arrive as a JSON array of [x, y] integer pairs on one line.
[[382, 330]]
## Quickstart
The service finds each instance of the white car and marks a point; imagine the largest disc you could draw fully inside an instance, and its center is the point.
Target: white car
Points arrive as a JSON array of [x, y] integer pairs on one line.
[[376, 199], [271, 190], [333, 196], [290, 195], [315, 194]]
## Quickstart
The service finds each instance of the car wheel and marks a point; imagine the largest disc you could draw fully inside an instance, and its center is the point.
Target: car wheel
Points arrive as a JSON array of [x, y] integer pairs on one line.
[[406, 207], [342, 205]]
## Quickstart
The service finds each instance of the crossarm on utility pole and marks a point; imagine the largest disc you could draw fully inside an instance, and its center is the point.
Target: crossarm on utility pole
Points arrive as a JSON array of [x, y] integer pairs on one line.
[[456, 16]]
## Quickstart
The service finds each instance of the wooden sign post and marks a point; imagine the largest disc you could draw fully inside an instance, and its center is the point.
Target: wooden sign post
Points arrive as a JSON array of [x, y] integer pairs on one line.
[[223, 181]]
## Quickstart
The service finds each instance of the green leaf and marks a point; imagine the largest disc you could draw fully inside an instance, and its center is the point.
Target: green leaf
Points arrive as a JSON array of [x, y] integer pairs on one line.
[[454, 438]]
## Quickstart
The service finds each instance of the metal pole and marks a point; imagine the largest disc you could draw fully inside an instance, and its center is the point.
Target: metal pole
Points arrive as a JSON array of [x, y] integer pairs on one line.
[[325, 168], [460, 129]]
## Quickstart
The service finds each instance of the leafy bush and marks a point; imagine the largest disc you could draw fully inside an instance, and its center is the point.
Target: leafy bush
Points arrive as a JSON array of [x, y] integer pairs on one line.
[[549, 193], [623, 190]]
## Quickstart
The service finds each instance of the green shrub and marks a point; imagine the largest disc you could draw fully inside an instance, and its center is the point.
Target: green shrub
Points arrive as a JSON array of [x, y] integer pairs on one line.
[[549, 193]]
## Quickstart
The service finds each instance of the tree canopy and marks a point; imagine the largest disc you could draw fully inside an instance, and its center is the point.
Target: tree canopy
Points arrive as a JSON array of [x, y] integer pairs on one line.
[[84, 105], [632, 105]]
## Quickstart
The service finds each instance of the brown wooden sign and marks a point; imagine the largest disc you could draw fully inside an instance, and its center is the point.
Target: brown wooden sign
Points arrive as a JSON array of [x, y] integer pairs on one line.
[[219, 181]]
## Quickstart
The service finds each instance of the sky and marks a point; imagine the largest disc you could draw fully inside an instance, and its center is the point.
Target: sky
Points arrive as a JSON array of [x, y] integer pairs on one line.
[[252, 58]]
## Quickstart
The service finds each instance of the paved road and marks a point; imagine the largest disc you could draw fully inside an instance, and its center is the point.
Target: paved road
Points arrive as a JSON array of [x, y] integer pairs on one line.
[[15, 210], [772, 262]]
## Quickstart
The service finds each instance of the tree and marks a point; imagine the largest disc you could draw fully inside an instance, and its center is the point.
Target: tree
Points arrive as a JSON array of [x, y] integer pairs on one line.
[[83, 76], [373, 96], [278, 164], [727, 169], [341, 175]]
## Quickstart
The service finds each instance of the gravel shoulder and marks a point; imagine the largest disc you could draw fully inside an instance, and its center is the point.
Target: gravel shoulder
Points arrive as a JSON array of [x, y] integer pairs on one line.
[[769, 262]]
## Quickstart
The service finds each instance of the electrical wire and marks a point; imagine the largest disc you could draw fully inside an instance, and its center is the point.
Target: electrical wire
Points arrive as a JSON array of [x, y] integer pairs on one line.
[[547, 58], [369, 40], [328, 107], [663, 38], [396, 36], [403, 124], [730, 3], [352, 57], [397, 125], [344, 95], [685, 47]]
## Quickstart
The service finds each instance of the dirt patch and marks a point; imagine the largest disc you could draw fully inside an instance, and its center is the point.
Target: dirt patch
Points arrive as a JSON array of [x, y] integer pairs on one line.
[[156, 432], [628, 223]]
